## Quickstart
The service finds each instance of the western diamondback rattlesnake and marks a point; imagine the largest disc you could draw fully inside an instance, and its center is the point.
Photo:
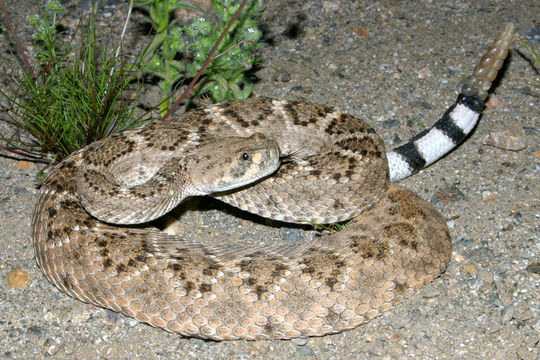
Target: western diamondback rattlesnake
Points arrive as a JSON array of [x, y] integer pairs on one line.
[[333, 168]]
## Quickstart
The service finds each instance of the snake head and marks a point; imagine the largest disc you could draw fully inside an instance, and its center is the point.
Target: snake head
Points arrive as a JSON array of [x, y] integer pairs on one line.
[[233, 162]]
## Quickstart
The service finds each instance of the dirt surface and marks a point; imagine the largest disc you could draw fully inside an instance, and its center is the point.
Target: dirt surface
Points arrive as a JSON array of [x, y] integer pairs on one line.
[[397, 64]]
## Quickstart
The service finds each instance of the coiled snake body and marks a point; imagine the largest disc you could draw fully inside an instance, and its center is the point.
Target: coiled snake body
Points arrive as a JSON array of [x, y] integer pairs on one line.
[[290, 161]]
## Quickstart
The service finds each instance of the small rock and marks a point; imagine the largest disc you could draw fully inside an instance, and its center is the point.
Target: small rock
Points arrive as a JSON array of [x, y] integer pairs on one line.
[[507, 314], [300, 341], [291, 234], [258, 348], [395, 337], [330, 5], [392, 123], [470, 268], [495, 101], [523, 313], [81, 317], [487, 196], [524, 353], [53, 345], [25, 165], [305, 351], [69, 348], [108, 352], [17, 279], [448, 195], [503, 292], [505, 139], [282, 75], [537, 153], [172, 225], [424, 73], [430, 292], [500, 355], [485, 276], [534, 268], [401, 320], [493, 327]]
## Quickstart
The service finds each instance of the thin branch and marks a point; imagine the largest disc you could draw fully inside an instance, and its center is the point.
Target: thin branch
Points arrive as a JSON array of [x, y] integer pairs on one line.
[[124, 30], [26, 155], [232, 47], [206, 62], [16, 38]]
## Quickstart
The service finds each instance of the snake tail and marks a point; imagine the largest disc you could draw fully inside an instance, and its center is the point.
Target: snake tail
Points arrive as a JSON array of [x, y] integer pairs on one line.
[[458, 120]]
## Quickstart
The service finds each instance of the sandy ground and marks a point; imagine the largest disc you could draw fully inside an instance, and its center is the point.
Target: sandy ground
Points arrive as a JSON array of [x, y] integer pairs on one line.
[[397, 64]]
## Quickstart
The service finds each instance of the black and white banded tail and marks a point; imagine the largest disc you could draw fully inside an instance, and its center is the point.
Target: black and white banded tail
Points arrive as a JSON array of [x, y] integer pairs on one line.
[[458, 121]]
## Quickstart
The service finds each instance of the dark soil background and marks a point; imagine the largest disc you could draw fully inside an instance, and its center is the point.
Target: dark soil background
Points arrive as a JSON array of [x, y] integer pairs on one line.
[[397, 64]]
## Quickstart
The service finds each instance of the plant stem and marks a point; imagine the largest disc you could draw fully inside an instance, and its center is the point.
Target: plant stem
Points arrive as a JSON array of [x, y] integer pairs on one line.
[[123, 32], [206, 62]]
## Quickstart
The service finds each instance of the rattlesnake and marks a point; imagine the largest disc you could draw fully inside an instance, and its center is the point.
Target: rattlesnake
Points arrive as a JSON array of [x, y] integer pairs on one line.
[[333, 167]]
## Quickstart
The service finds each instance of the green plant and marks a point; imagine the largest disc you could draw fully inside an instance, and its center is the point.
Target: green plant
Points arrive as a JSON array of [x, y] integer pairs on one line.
[[535, 63], [333, 227], [74, 99], [45, 36], [225, 78]]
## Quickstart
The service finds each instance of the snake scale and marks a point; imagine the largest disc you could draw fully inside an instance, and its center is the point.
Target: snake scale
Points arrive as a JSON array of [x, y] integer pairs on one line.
[[290, 161]]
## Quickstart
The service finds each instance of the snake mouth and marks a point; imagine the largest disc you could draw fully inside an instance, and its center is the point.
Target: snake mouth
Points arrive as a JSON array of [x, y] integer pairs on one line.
[[241, 187]]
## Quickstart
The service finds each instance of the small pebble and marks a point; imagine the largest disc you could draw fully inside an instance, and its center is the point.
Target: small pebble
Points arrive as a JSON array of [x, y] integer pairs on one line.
[[53, 346], [487, 196], [424, 73], [495, 101], [17, 279], [282, 75], [534, 268], [503, 292], [305, 351], [300, 341], [330, 5], [525, 354], [430, 292], [361, 32], [505, 139], [470, 268], [448, 195], [291, 234], [493, 328], [246, 223], [395, 337], [523, 313], [258, 348], [507, 314], [172, 225], [25, 165], [485, 276], [107, 352]]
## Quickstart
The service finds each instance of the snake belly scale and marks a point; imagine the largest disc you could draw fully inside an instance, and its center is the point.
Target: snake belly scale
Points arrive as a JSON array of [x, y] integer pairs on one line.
[[292, 161]]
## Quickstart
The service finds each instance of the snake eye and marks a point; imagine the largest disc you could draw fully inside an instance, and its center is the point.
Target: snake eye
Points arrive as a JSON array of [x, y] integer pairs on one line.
[[245, 156]]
